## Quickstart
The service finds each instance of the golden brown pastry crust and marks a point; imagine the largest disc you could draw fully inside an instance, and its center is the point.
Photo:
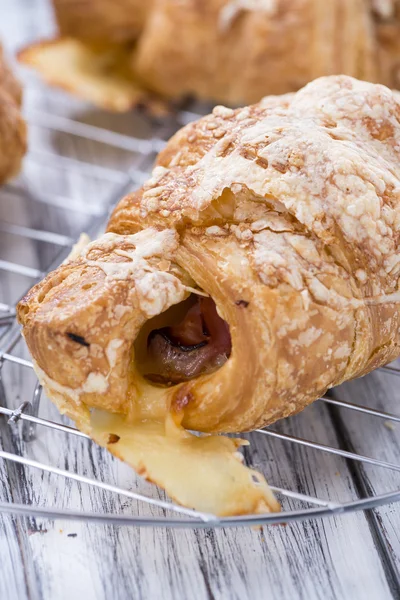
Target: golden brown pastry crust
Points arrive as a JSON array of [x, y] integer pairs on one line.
[[8, 82], [284, 212], [287, 214], [237, 51], [250, 48], [387, 19], [101, 20], [12, 126]]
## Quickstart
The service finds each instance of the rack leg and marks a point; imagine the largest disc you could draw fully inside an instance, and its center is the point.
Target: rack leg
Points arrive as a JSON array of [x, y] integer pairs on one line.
[[28, 428]]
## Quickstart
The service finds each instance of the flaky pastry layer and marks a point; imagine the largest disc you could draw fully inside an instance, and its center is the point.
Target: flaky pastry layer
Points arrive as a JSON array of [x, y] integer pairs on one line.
[[231, 51], [12, 126], [287, 214]]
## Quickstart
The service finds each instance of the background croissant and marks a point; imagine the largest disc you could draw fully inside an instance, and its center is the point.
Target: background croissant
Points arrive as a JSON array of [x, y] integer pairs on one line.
[[257, 268], [233, 51], [12, 126]]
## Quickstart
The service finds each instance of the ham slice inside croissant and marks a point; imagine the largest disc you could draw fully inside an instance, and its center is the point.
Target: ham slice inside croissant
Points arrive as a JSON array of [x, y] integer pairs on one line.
[[198, 344]]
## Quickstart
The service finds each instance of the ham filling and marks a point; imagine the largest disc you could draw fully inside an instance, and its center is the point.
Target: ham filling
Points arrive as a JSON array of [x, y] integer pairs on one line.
[[197, 344]]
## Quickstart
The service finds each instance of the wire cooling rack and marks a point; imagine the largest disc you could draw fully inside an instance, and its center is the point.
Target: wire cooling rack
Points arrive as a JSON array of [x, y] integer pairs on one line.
[[118, 182]]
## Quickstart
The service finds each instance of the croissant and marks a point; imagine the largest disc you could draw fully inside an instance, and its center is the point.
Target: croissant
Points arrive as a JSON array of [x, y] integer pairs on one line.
[[12, 126], [257, 268], [94, 21], [231, 51]]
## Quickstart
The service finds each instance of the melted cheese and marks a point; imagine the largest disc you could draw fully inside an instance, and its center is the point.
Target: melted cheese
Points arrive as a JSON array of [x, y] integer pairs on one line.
[[77, 249], [205, 473], [233, 8], [99, 77], [111, 351]]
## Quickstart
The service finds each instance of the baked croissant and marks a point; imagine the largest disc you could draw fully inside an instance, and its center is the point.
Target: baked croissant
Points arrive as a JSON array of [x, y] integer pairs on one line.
[[257, 268], [115, 21], [12, 126], [231, 51]]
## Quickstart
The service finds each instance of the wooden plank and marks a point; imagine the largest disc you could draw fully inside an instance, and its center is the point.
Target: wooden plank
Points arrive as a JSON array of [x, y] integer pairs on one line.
[[313, 559], [12, 581]]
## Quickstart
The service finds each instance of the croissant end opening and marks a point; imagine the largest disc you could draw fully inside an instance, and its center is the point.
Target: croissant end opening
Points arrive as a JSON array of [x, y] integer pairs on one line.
[[188, 340]]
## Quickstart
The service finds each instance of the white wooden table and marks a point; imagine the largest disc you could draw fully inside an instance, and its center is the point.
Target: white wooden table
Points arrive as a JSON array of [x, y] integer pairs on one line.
[[353, 557]]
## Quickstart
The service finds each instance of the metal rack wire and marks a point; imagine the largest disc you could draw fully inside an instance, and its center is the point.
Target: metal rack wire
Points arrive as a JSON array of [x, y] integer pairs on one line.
[[27, 412]]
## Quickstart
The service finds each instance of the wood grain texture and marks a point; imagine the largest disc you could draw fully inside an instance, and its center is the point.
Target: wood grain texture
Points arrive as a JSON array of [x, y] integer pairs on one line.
[[379, 438], [355, 557]]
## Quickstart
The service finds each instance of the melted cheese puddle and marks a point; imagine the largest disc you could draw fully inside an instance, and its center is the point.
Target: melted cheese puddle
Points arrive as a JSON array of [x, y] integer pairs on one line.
[[102, 77], [204, 473]]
